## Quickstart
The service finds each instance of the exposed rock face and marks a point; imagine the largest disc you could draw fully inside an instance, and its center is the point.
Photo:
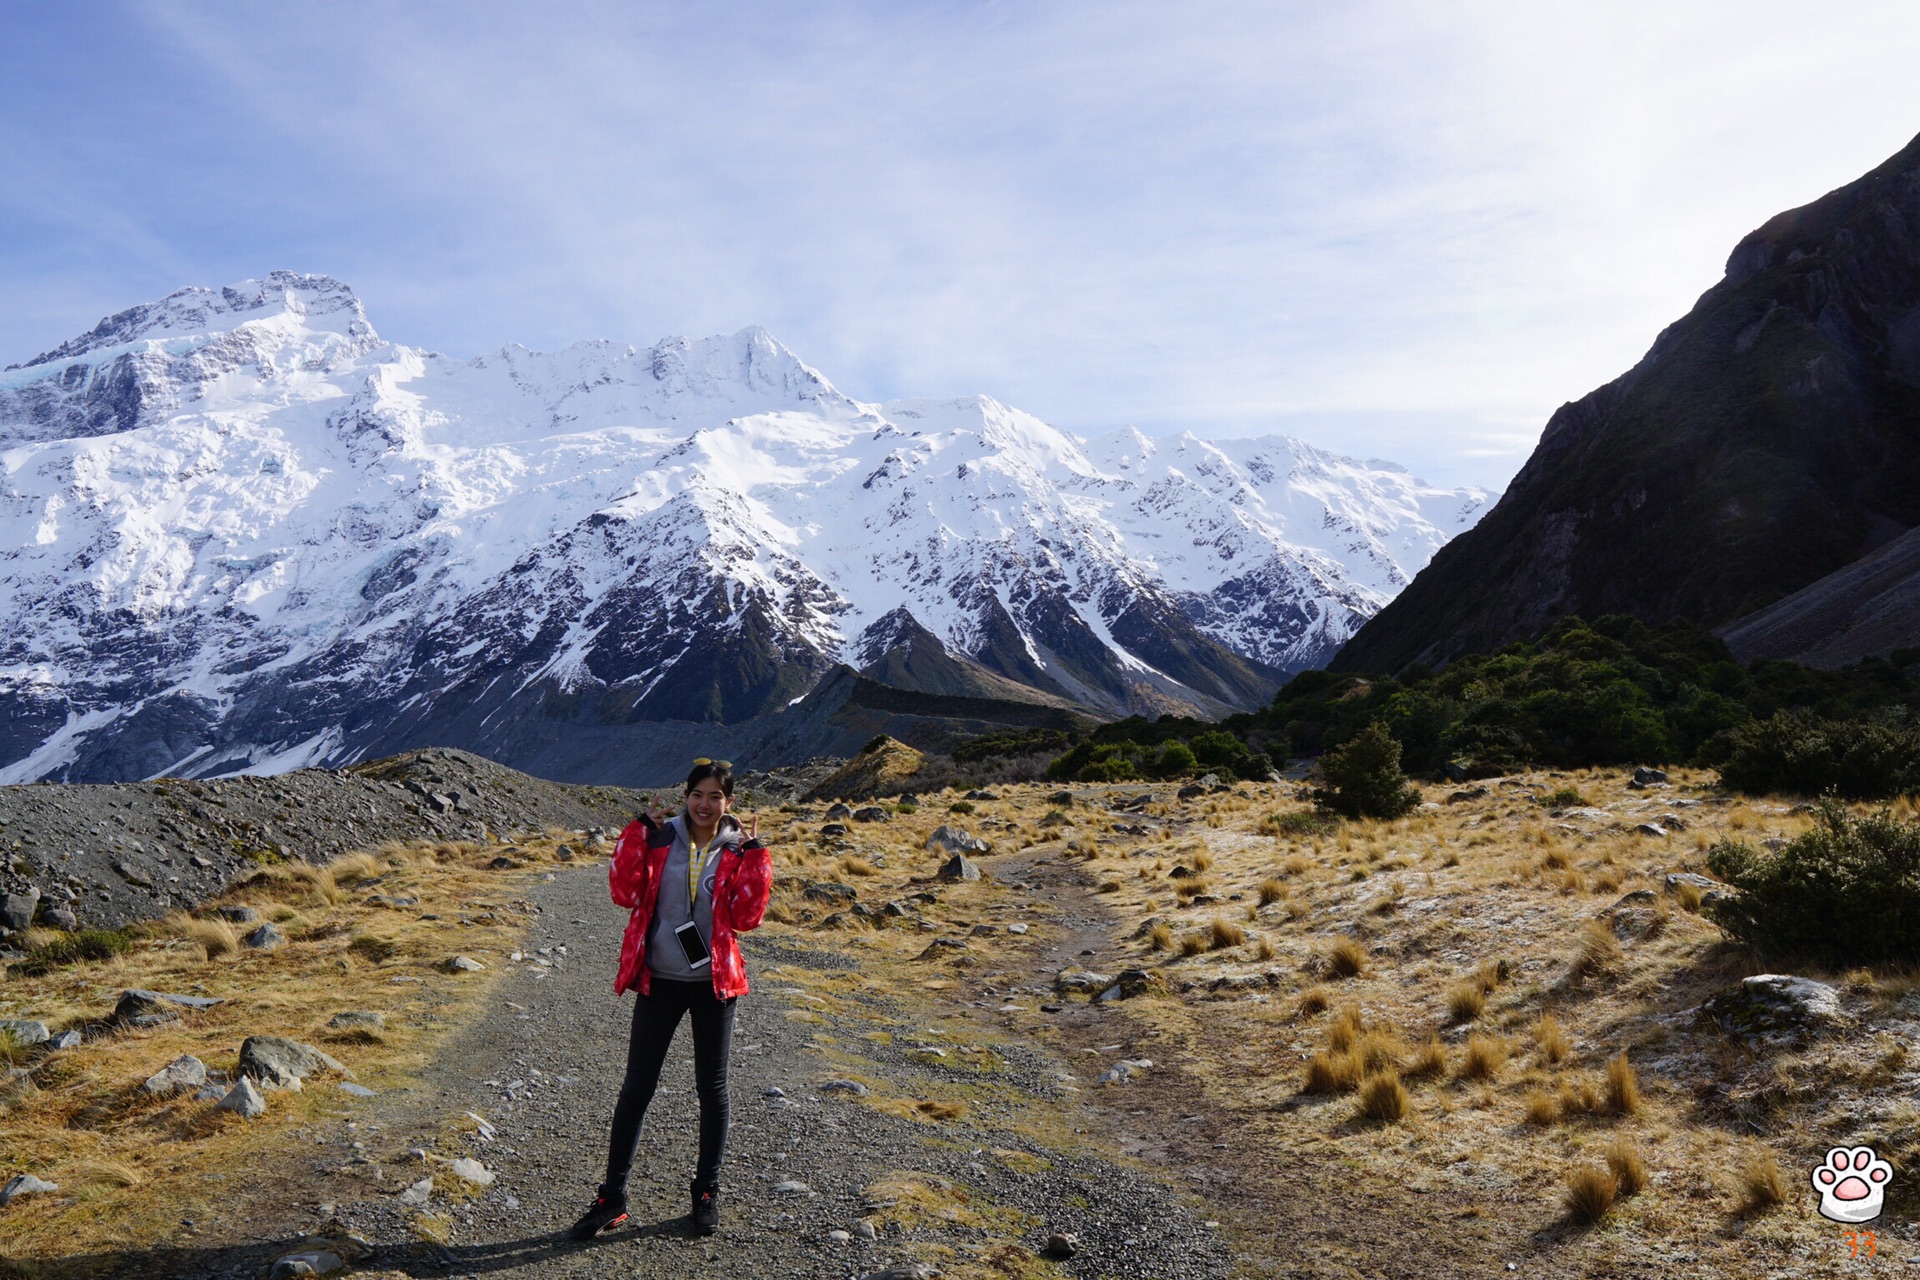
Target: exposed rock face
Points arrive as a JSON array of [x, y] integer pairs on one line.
[[1766, 440], [1774, 1005]]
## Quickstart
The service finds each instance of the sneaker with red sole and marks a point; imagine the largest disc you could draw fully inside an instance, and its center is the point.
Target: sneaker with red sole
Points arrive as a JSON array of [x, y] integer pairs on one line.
[[607, 1211]]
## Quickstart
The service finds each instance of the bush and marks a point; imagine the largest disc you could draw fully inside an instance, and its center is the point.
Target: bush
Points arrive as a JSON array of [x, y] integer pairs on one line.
[[71, 948], [1363, 778], [1176, 760], [1804, 754], [1847, 892]]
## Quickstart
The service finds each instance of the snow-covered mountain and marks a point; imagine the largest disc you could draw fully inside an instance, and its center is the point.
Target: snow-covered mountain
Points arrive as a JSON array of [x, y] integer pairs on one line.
[[238, 530]]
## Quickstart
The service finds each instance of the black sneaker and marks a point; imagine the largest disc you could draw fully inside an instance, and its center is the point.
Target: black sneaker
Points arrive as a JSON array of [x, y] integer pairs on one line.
[[706, 1209], [607, 1211]]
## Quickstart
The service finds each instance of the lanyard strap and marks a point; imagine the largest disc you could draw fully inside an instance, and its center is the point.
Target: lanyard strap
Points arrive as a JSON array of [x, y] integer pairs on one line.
[[697, 865]]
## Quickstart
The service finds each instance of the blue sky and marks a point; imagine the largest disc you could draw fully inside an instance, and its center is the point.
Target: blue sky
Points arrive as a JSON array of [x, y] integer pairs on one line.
[[1404, 229]]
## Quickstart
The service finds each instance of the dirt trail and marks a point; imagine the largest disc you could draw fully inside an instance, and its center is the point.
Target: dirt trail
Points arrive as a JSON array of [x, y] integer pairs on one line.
[[976, 1197]]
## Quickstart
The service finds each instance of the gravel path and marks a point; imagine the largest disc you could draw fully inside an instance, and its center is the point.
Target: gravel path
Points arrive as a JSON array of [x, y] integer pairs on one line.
[[543, 1068]]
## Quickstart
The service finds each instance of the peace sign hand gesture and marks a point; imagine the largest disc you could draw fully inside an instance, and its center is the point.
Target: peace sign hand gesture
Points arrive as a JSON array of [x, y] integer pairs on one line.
[[655, 817], [753, 824]]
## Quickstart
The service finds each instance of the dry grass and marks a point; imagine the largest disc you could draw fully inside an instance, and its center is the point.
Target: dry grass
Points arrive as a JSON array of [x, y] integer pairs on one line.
[[1429, 1060], [1484, 1057], [1590, 1194], [1189, 888], [1629, 1167], [215, 937], [1332, 1071], [1383, 1099], [1689, 897], [1193, 944], [857, 866], [352, 868], [1599, 950], [1345, 959], [1312, 1001], [1222, 934], [1623, 1087], [1160, 937], [1272, 891], [1761, 1186], [1466, 1001], [1550, 1042], [1539, 1108]]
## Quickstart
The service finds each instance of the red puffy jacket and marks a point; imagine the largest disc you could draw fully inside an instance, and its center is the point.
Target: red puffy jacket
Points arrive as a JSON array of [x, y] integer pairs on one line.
[[741, 883]]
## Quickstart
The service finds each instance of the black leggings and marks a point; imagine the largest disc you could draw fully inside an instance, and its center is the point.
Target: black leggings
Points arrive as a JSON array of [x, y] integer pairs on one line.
[[655, 1018]]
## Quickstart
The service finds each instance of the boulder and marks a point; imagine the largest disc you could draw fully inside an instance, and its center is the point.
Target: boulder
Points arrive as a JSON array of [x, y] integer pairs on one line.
[[981, 795], [237, 913], [940, 947], [17, 909], [839, 812], [309, 1262], [830, 892], [472, 1171], [61, 918], [1454, 771], [183, 1075], [834, 829], [872, 813], [946, 839], [852, 1088], [958, 867], [1775, 1005], [278, 1063], [132, 875], [463, 964], [66, 1040], [1061, 1244], [355, 1018], [1645, 777], [1469, 793], [1651, 829]]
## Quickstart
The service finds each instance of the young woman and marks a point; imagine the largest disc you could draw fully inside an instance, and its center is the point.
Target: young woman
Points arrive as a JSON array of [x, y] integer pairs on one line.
[[692, 883]]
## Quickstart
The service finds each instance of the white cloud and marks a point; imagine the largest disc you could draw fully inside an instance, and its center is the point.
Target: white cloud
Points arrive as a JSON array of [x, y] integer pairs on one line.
[[1397, 229]]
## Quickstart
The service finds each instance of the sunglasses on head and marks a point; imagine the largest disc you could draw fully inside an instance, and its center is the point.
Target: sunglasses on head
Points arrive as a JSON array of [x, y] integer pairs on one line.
[[718, 764]]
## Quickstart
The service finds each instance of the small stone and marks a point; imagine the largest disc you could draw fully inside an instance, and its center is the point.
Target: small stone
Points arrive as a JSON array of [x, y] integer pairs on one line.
[[909, 1271], [266, 938], [1651, 829], [61, 918], [773, 1091], [853, 1088], [946, 839], [66, 1040], [200, 862], [237, 914], [840, 1237], [419, 1193], [791, 1188], [872, 813], [502, 864], [1118, 1073], [245, 1099], [463, 964], [470, 1170], [834, 829], [156, 1006], [275, 1062], [1016, 928], [313, 1262], [24, 1184], [943, 947], [1061, 1244], [390, 901], [351, 1018], [1648, 777], [183, 1075], [355, 1090], [866, 1230]]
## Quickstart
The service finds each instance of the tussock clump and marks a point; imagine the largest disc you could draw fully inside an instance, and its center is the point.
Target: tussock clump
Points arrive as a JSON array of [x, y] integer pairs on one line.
[[354, 867], [1466, 1001], [1590, 1194], [1312, 1001], [1297, 865], [1599, 950], [1160, 937], [1193, 944], [1222, 934], [1345, 1029], [1628, 1166], [1190, 888], [1689, 897], [1578, 1097], [1429, 1060], [1539, 1108], [1623, 1087], [1202, 860], [1484, 1058], [1384, 1099], [318, 882], [1556, 860], [1761, 1185], [1108, 886], [374, 947], [215, 938], [1550, 1041], [856, 866], [1264, 950], [1345, 959], [1332, 1071], [1271, 891]]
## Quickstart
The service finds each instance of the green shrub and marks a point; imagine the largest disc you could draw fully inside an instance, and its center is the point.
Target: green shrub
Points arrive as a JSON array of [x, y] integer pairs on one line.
[[960, 806], [1301, 824], [1112, 769], [1804, 754], [1847, 892], [875, 743], [1363, 778], [1564, 798], [1177, 759], [71, 948], [1012, 743]]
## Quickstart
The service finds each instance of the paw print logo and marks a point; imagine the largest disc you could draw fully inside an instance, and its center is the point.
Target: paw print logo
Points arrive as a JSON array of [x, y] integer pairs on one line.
[[1852, 1182]]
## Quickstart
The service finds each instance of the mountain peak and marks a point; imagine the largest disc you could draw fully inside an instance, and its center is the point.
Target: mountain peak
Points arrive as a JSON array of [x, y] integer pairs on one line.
[[320, 302]]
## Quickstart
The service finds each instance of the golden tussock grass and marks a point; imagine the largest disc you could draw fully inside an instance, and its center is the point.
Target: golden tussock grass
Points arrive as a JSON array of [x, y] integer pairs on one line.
[[1550, 1042], [1466, 1001], [1429, 1061], [1599, 950], [1264, 950], [1345, 959], [1345, 1028], [1271, 891], [1538, 1108], [1689, 897], [1590, 1193], [1297, 865], [1383, 1099], [1483, 1058], [1193, 944], [1189, 888], [214, 937], [1202, 860], [353, 867], [1623, 1086], [1628, 1166], [1222, 934], [857, 866], [1333, 1071], [1761, 1187], [1109, 886], [1312, 1001], [1160, 937], [1556, 860]]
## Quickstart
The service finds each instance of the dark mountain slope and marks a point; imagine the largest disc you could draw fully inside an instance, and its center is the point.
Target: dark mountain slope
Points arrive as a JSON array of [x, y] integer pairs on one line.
[[1871, 606], [1767, 439]]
